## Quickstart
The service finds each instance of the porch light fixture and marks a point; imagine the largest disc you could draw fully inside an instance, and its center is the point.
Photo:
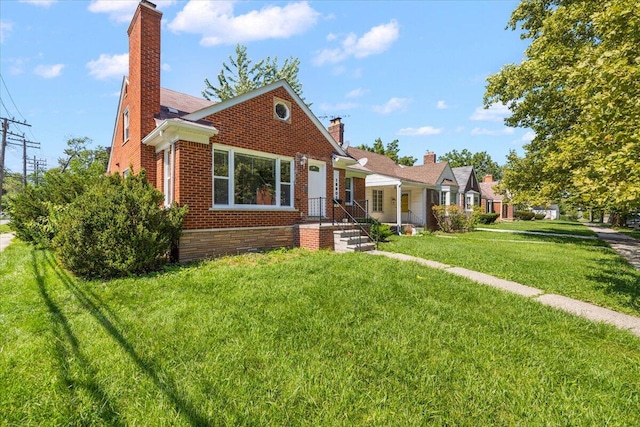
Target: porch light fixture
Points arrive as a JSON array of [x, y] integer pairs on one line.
[[303, 160]]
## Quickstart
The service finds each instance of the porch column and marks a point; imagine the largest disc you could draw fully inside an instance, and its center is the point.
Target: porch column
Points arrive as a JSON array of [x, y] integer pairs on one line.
[[399, 207], [424, 206]]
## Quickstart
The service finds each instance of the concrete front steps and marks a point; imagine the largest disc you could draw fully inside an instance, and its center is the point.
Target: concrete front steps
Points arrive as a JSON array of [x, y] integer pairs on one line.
[[353, 240]]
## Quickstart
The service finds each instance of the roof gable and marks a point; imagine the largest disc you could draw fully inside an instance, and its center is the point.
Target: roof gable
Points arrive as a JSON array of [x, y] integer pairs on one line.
[[215, 108], [431, 174]]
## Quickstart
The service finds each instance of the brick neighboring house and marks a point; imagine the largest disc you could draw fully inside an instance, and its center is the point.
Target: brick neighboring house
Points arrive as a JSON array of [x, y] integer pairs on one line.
[[254, 170], [403, 195], [494, 202], [469, 192]]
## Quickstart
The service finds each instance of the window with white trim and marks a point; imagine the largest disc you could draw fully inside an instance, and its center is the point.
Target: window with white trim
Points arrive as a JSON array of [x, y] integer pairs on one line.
[[376, 204], [348, 191], [125, 124], [243, 179], [168, 176]]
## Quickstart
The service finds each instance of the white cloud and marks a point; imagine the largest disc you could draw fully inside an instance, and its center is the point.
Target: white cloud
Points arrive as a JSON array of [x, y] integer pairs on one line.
[[377, 40], [528, 137], [5, 28], [331, 37], [357, 93], [42, 3], [217, 24], [166, 67], [489, 132], [392, 105], [495, 113], [49, 71], [107, 66], [122, 10], [421, 131], [442, 105]]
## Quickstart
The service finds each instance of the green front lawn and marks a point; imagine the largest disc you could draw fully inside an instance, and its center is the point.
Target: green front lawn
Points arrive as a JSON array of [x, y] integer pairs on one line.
[[300, 338], [588, 270], [543, 226]]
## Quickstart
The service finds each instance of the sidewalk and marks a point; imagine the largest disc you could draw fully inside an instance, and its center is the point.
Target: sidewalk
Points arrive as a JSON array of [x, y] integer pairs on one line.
[[579, 308], [5, 239], [626, 246]]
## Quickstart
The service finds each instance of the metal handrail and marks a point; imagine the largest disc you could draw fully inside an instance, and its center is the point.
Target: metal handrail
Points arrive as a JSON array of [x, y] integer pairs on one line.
[[413, 218], [358, 224]]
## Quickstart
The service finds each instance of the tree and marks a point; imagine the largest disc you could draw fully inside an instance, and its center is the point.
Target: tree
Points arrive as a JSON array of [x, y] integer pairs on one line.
[[240, 76], [34, 209], [482, 162], [577, 90], [392, 149]]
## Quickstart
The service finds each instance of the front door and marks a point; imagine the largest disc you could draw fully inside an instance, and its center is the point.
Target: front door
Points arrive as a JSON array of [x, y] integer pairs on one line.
[[404, 202], [317, 188]]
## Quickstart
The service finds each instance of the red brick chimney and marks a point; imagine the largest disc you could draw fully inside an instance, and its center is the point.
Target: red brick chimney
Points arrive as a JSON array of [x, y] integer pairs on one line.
[[336, 130], [429, 157], [143, 92], [487, 178]]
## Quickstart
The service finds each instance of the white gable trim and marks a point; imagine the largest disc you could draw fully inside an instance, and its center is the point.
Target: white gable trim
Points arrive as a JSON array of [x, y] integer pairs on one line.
[[172, 130], [125, 83], [215, 108]]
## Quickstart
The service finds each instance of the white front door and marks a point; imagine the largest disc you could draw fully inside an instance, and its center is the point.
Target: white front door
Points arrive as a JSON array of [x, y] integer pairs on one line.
[[317, 188]]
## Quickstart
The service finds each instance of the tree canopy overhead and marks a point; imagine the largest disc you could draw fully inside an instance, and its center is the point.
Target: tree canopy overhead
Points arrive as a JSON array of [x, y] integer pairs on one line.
[[391, 150], [578, 90], [481, 162], [241, 75]]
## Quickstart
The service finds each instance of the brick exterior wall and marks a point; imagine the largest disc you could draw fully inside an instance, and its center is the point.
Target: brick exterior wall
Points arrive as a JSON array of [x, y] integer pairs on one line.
[[142, 94]]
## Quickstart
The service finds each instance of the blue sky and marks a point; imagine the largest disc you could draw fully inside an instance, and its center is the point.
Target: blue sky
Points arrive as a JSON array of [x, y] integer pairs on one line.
[[408, 70]]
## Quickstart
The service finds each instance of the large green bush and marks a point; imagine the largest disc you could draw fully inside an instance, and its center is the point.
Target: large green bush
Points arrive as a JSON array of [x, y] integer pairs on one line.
[[488, 218], [33, 211], [524, 215], [117, 228], [451, 218]]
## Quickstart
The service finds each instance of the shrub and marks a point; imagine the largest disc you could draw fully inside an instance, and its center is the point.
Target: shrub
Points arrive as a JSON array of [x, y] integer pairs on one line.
[[539, 216], [488, 218], [451, 218], [524, 215], [33, 211], [379, 232], [117, 228]]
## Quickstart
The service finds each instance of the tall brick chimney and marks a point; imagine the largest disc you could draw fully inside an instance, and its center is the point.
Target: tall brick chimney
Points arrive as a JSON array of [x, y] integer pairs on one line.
[[143, 92], [429, 157], [336, 130]]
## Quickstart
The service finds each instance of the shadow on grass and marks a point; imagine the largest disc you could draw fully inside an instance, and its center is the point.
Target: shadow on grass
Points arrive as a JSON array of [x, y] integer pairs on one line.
[[616, 278], [68, 351], [96, 308]]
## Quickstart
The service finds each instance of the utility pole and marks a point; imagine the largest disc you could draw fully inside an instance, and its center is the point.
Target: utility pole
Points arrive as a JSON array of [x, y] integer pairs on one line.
[[30, 144], [37, 165], [3, 146]]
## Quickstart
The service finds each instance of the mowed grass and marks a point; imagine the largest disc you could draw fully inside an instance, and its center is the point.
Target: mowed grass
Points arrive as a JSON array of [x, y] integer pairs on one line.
[[588, 270], [543, 226], [299, 338]]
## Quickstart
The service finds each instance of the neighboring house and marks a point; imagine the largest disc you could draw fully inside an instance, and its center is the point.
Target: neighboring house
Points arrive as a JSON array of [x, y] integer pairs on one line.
[[551, 212], [469, 193], [257, 171], [404, 195], [494, 202]]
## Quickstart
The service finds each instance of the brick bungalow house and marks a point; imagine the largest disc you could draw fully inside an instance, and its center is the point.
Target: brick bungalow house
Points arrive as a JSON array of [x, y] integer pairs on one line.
[[257, 171], [405, 195], [469, 193], [494, 202]]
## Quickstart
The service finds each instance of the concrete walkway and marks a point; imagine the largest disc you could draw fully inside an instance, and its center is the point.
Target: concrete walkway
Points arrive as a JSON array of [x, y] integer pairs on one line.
[[5, 239], [580, 308], [626, 246]]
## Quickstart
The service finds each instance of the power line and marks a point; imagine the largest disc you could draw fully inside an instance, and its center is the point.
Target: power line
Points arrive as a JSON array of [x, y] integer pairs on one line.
[[11, 98]]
